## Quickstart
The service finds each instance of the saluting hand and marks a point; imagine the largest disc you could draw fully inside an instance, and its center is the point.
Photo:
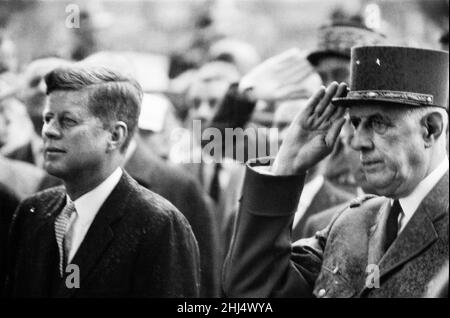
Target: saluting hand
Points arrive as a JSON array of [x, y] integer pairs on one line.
[[312, 134]]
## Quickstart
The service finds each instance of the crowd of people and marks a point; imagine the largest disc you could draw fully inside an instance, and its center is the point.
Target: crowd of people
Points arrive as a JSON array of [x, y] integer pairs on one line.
[[334, 182]]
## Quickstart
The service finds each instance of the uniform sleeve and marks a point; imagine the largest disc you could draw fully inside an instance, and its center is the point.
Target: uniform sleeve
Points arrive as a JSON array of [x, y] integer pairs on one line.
[[262, 262]]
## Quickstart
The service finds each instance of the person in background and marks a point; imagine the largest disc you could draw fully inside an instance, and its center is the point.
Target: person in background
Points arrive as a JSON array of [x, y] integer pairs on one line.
[[22, 178], [185, 193], [331, 60]]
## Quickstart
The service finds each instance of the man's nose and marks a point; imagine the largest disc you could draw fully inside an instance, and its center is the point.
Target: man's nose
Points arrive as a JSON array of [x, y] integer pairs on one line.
[[361, 139], [51, 130]]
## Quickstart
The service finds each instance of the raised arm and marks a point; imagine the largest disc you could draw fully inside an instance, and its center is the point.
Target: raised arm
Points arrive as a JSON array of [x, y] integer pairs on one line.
[[262, 262]]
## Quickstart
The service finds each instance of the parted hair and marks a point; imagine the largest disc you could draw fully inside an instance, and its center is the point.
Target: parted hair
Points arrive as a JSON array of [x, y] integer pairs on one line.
[[111, 96]]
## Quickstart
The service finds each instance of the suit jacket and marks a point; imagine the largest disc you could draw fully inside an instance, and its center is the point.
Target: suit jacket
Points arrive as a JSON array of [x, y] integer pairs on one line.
[[344, 260], [327, 196], [8, 204], [139, 245], [181, 189]]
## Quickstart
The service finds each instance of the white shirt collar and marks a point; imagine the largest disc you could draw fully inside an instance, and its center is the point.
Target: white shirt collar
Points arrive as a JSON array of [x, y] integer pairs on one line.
[[410, 203], [89, 203], [87, 207]]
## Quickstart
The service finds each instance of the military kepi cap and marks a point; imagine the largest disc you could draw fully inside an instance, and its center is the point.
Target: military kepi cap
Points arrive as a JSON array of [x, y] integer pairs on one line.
[[338, 39], [400, 75]]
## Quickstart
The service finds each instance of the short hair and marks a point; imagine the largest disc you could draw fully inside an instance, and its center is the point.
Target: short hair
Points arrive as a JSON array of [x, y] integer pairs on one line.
[[111, 95]]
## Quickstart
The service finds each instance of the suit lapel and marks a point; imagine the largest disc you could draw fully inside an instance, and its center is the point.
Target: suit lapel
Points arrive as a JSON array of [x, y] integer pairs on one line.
[[420, 231], [417, 236], [378, 235], [45, 253], [100, 233]]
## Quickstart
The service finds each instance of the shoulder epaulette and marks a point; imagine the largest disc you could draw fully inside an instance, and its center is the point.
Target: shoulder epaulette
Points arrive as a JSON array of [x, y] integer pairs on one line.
[[360, 200]]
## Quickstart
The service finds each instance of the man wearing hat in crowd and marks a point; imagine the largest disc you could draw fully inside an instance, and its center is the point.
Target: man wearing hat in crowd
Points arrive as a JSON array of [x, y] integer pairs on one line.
[[387, 246]]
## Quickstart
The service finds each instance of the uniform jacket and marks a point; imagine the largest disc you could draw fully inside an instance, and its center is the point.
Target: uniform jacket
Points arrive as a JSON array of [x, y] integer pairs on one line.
[[327, 196], [342, 260], [139, 245], [320, 220]]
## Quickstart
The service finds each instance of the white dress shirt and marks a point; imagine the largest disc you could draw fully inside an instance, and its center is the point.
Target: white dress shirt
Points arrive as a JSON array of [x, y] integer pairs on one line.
[[410, 203], [87, 207]]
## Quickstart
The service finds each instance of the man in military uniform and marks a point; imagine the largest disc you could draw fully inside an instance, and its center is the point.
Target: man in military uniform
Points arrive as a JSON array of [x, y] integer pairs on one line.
[[387, 246]]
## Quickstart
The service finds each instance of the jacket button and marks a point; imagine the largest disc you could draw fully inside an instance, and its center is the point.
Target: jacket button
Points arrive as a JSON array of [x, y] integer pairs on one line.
[[321, 293], [336, 270]]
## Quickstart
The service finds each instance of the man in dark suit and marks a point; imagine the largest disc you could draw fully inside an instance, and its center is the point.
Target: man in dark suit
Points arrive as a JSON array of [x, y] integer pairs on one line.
[[102, 234], [184, 192], [388, 246]]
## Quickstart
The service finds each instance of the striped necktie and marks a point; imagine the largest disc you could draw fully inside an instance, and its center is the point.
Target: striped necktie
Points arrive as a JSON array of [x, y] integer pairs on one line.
[[62, 226]]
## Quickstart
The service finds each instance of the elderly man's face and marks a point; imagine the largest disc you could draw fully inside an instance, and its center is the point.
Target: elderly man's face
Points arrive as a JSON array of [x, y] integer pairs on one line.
[[391, 148], [333, 69], [75, 141]]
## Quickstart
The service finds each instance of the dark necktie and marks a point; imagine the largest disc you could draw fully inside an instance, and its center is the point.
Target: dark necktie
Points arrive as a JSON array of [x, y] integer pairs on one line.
[[214, 188], [392, 224]]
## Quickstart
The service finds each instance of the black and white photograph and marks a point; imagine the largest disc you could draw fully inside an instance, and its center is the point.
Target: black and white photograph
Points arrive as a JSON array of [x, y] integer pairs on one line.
[[224, 153]]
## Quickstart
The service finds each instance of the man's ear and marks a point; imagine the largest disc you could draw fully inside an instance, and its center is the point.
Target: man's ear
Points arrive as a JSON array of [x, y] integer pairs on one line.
[[433, 127], [119, 133]]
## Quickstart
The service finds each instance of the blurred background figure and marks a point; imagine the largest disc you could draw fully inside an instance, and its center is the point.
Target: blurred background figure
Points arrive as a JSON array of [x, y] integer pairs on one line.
[[8, 54], [239, 53], [157, 122], [205, 93], [331, 60], [84, 42], [21, 178], [444, 41]]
